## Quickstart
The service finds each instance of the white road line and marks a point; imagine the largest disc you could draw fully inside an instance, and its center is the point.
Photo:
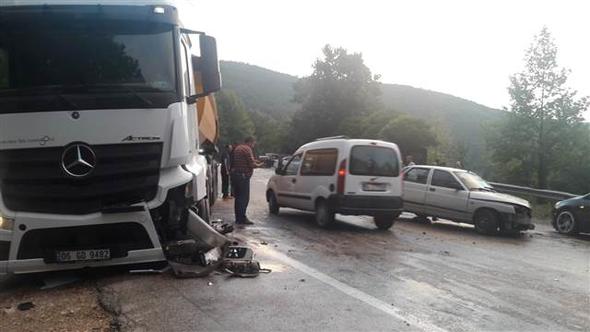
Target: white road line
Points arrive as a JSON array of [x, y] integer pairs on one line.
[[353, 292]]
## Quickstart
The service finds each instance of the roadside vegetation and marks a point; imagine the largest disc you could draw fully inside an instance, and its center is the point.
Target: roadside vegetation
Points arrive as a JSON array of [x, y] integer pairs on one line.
[[539, 140]]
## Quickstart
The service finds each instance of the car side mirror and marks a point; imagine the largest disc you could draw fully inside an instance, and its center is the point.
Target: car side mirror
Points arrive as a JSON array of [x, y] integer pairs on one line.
[[279, 171], [206, 68]]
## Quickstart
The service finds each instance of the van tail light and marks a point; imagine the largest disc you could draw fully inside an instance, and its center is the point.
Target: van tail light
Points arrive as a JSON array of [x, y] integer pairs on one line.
[[341, 177]]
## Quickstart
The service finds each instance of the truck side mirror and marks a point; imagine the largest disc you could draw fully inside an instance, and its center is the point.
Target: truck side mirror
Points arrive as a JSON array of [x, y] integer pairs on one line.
[[206, 68]]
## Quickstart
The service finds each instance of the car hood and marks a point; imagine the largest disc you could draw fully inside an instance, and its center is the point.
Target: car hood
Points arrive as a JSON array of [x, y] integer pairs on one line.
[[499, 197]]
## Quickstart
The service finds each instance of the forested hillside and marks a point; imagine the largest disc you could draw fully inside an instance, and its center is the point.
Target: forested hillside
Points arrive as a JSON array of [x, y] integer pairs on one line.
[[456, 120]]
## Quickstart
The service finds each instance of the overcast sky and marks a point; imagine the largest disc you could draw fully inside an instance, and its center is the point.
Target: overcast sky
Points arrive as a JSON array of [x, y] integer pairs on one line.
[[465, 48]]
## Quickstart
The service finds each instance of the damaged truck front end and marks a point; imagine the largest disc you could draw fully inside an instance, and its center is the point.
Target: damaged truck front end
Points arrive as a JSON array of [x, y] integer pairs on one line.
[[99, 142]]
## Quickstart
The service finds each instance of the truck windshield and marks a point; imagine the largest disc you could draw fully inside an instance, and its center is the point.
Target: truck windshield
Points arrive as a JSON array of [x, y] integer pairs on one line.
[[117, 65], [373, 161]]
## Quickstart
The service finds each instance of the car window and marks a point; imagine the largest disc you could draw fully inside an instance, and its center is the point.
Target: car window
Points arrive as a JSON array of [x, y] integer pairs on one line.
[[373, 161], [319, 162], [444, 179], [293, 165], [418, 175]]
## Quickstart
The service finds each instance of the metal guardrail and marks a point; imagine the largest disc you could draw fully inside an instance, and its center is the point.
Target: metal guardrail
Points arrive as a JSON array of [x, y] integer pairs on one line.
[[540, 193]]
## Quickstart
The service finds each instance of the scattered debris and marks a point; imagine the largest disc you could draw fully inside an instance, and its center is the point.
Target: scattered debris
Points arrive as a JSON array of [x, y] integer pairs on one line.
[[25, 306], [423, 233], [301, 280], [9, 310], [209, 283], [445, 253], [264, 243], [473, 242]]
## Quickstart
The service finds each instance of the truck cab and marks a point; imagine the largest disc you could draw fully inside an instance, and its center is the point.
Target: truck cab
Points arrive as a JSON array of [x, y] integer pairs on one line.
[[99, 142]]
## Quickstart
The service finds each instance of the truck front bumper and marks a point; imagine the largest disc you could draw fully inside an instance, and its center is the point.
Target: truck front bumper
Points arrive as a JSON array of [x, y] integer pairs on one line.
[[34, 239]]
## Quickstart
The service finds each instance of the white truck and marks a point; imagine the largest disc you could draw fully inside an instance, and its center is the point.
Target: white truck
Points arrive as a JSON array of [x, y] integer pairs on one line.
[[99, 141]]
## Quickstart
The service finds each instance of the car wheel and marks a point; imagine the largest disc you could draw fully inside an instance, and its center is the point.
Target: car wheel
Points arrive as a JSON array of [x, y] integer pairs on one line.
[[384, 222], [273, 205], [565, 223], [486, 221], [324, 216]]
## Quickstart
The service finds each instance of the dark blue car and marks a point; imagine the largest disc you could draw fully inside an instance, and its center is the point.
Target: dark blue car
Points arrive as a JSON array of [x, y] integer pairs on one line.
[[572, 216]]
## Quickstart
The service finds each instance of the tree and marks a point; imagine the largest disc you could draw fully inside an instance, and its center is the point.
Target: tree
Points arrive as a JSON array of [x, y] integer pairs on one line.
[[234, 122], [412, 135], [341, 87], [544, 114]]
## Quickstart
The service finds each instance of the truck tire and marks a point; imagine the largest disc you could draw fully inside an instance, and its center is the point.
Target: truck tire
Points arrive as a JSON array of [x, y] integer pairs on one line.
[[324, 215], [486, 222], [385, 221]]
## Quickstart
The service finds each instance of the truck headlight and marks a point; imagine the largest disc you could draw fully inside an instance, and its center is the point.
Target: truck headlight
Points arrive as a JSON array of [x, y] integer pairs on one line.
[[6, 223]]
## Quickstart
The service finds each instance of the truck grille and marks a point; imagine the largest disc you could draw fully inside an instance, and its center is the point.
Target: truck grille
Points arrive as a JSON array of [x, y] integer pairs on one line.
[[32, 179]]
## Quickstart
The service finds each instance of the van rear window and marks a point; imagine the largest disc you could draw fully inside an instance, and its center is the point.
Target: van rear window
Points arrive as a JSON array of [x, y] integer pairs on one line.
[[373, 161]]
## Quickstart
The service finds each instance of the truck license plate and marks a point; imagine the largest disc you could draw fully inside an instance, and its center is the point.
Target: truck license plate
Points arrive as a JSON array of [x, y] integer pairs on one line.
[[369, 186], [83, 255]]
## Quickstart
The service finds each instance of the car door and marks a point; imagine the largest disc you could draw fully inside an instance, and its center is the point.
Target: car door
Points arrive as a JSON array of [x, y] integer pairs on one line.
[[415, 188], [286, 182], [317, 176], [446, 196], [584, 214]]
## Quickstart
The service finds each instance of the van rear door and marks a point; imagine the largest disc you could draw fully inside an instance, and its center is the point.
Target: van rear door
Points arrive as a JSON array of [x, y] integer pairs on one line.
[[373, 170]]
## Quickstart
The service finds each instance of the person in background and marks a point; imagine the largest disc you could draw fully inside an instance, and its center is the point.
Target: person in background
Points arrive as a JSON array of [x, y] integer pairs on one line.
[[225, 171], [459, 164], [242, 168], [410, 160]]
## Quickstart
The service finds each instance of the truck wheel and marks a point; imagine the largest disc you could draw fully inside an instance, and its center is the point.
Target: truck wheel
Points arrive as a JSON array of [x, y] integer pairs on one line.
[[324, 216], [204, 210], [565, 223], [273, 205], [487, 222], [384, 222]]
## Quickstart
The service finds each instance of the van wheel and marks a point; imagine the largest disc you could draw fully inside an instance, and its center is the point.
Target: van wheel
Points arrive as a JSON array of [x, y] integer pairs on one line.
[[273, 205], [324, 216], [486, 221], [384, 222]]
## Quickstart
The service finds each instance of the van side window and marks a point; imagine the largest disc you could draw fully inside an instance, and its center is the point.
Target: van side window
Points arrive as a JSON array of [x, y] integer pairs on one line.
[[319, 162], [444, 179], [417, 175], [293, 165]]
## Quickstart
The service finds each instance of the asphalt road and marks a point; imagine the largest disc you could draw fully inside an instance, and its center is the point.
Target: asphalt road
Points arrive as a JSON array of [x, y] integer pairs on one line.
[[415, 276]]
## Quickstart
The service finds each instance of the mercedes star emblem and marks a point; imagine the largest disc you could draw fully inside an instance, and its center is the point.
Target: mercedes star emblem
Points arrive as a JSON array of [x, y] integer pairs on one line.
[[78, 160]]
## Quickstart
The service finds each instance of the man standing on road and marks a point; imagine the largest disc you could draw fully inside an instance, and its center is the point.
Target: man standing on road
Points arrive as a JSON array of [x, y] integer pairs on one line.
[[225, 171], [242, 167]]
